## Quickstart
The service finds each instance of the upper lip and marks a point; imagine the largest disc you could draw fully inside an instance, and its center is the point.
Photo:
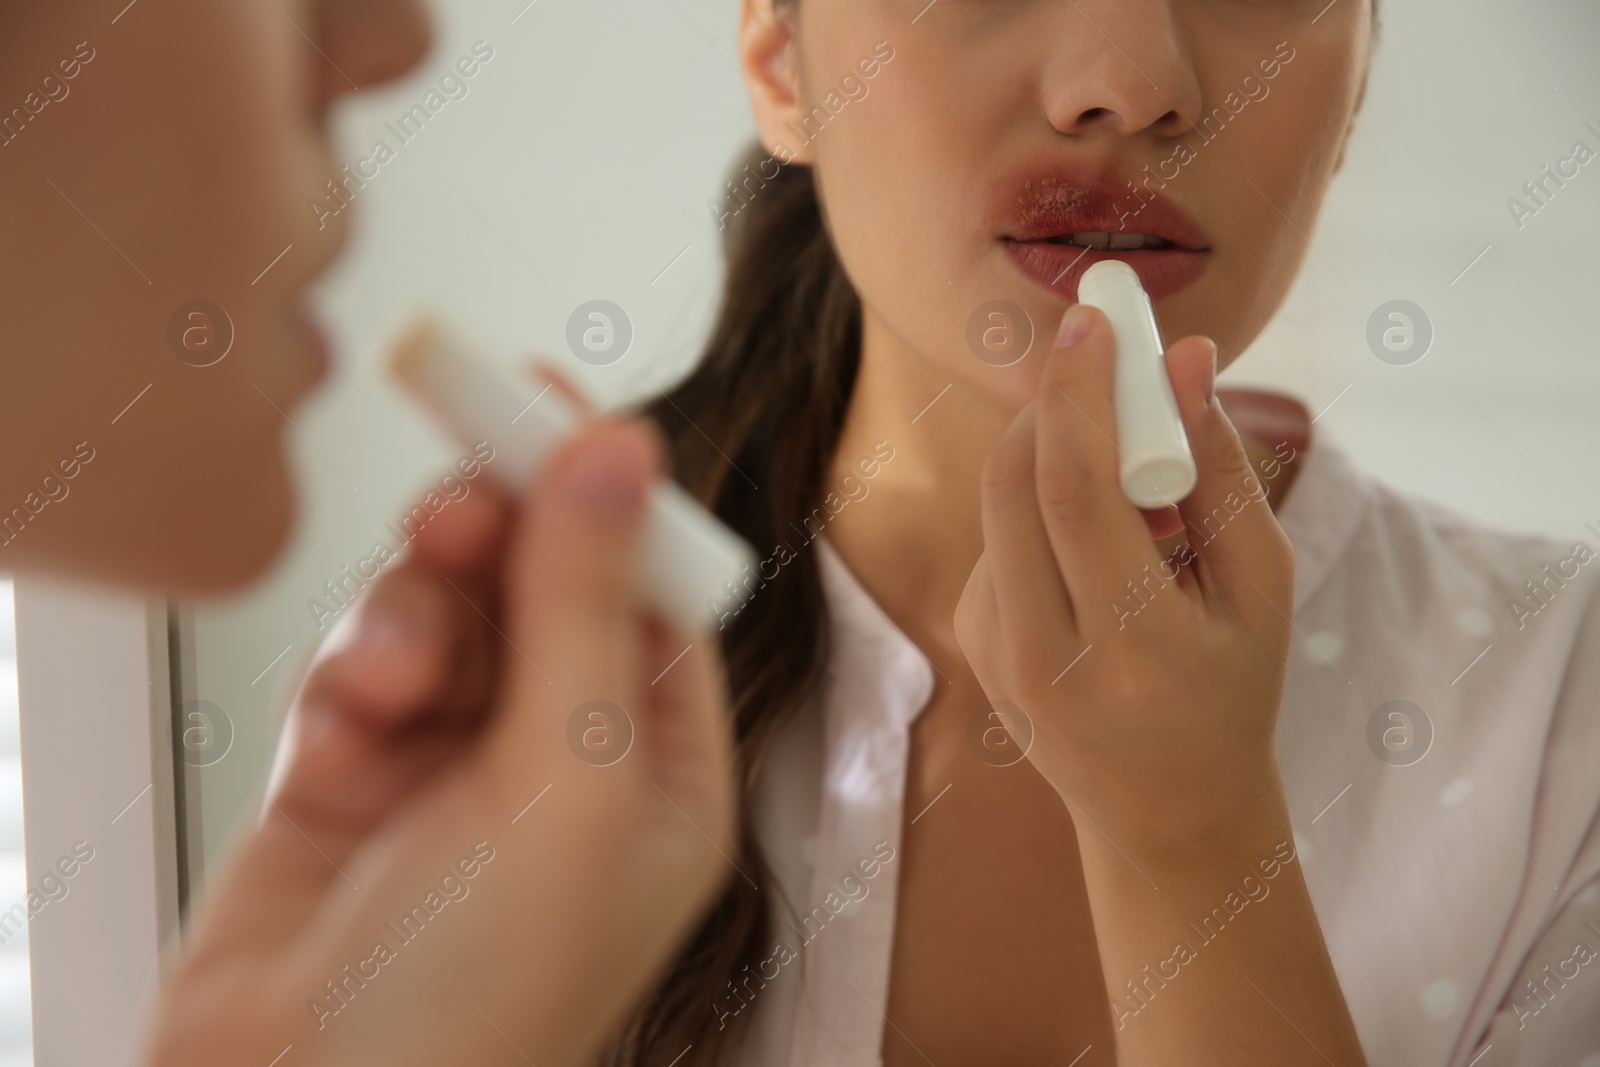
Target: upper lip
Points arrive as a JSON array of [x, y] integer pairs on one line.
[[1055, 203]]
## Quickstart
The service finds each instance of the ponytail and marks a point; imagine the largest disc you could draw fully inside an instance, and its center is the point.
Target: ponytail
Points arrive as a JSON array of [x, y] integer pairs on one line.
[[750, 434]]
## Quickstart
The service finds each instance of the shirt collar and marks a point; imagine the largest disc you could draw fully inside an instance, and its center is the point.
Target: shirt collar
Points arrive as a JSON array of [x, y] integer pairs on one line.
[[865, 643]]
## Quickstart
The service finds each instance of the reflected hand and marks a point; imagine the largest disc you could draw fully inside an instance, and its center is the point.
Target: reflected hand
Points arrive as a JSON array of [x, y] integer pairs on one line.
[[430, 740]]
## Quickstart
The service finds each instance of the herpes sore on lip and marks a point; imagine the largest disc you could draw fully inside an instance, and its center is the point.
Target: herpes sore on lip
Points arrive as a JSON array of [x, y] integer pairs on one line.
[[1053, 197]]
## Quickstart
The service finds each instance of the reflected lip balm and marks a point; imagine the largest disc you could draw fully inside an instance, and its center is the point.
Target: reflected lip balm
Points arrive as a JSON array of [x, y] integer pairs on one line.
[[1157, 466], [686, 557]]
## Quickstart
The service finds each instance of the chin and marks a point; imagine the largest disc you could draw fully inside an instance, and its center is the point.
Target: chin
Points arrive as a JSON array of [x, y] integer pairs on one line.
[[1012, 388], [250, 554], [209, 536], [249, 525]]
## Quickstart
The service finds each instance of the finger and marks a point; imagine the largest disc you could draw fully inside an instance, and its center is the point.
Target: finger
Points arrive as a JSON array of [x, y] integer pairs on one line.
[[415, 645], [340, 776], [1099, 538], [380, 713], [340, 779], [399, 699], [462, 543], [1163, 522], [1231, 528], [394, 660], [572, 610], [1032, 600], [359, 738], [543, 372], [687, 729], [466, 536], [416, 654]]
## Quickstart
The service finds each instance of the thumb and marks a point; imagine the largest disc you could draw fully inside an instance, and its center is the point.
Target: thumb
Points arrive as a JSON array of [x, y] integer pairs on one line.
[[543, 372], [571, 606]]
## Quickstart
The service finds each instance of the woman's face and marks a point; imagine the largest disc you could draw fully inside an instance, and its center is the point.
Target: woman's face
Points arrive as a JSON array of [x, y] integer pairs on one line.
[[979, 129], [158, 161]]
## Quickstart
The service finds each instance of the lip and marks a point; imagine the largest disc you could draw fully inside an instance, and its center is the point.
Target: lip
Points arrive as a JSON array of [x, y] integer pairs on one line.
[[1052, 203]]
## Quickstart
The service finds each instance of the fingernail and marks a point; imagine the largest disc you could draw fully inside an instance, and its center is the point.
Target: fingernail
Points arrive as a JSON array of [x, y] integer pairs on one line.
[[316, 726], [1075, 326], [1211, 378], [385, 635], [608, 475]]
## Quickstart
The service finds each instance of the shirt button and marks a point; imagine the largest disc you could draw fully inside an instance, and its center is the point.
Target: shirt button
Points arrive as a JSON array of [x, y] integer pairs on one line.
[[1325, 645], [1475, 621]]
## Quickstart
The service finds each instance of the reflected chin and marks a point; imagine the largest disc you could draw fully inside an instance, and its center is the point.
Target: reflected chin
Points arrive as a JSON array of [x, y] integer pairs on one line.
[[251, 550], [213, 536], [245, 537]]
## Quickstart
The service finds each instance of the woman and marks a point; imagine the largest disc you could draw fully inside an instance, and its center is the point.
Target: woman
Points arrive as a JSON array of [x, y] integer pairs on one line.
[[155, 251], [1233, 838]]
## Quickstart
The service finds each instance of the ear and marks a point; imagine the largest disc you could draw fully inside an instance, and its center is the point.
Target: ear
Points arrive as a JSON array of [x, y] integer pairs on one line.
[[767, 60]]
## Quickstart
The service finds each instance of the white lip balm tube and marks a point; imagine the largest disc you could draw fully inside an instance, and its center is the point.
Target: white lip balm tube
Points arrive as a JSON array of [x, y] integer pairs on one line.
[[1157, 467], [687, 554]]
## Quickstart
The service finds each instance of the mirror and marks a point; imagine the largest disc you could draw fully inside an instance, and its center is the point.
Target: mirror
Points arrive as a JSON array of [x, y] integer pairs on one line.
[[1440, 329]]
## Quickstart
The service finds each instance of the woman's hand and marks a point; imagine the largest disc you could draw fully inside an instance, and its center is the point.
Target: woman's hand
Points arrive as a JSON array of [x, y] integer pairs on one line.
[[1149, 689], [1152, 684], [446, 790]]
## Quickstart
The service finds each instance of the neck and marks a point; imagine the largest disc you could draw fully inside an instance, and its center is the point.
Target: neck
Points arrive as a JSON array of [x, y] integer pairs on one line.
[[912, 531], [915, 537]]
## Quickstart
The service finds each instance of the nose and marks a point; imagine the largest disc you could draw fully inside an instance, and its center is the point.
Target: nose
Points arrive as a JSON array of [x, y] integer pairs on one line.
[[369, 42], [1122, 68]]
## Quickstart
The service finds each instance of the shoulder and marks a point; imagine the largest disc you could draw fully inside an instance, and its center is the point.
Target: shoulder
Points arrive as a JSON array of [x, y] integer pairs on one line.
[[1485, 622], [1438, 737], [1418, 562], [1460, 651]]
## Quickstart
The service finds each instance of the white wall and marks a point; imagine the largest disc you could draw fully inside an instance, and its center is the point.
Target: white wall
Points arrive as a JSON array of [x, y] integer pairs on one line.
[[592, 140], [1457, 118]]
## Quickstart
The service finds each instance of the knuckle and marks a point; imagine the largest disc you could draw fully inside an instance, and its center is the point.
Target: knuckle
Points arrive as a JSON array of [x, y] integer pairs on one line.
[[1235, 472], [1125, 684], [1059, 381], [1034, 666], [967, 630], [1228, 457], [1065, 488], [1008, 467]]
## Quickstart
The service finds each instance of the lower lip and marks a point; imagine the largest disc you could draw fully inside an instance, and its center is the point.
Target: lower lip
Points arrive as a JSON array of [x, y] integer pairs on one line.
[[1058, 267]]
